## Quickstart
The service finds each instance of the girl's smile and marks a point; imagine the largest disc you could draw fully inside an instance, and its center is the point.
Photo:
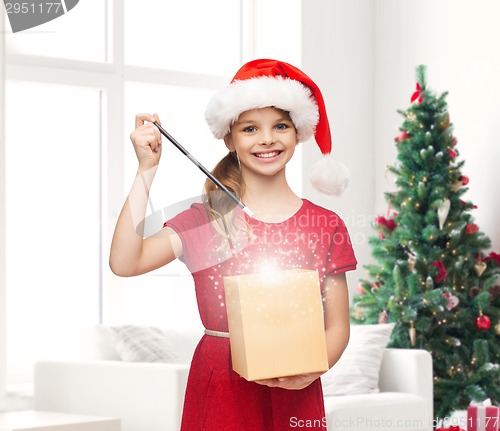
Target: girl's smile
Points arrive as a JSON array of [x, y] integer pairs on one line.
[[267, 156]]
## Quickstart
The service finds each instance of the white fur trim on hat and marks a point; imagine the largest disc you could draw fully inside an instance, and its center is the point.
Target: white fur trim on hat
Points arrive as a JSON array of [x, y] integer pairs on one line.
[[329, 176], [243, 95]]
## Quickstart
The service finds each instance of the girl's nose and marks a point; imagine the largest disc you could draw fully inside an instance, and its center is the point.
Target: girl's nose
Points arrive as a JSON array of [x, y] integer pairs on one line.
[[268, 137]]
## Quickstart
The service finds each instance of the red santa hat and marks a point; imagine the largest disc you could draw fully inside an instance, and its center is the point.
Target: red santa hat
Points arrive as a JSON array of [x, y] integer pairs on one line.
[[263, 83]]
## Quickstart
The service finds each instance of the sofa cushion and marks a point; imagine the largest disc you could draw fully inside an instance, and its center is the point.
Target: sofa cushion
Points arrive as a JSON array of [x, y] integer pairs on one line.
[[98, 343], [143, 344], [382, 411], [357, 371]]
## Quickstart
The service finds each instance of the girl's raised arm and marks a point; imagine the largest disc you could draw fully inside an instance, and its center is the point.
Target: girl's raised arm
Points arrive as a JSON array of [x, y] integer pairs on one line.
[[130, 253]]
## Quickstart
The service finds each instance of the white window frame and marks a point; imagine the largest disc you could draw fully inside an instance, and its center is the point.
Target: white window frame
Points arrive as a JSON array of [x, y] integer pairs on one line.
[[3, 318]]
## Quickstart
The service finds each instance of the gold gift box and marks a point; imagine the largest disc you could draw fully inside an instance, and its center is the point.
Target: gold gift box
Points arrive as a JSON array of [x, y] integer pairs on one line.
[[276, 325]]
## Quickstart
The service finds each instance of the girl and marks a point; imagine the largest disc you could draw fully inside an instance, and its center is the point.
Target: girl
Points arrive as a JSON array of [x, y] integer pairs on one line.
[[262, 115]]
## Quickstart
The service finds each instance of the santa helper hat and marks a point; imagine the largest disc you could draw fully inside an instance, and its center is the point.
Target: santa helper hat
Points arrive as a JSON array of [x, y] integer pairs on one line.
[[263, 83]]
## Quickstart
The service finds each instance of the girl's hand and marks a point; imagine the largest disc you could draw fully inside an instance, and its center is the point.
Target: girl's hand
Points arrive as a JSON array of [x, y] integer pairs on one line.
[[147, 140], [292, 382]]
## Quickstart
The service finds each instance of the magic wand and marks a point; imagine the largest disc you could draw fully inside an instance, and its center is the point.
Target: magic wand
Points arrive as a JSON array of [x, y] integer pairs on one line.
[[167, 135]]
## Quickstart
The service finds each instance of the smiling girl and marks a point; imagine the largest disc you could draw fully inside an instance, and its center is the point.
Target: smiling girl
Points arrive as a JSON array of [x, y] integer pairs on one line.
[[268, 108]]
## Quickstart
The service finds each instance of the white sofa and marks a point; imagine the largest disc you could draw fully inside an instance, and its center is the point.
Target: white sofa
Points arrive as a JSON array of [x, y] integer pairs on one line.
[[149, 396]]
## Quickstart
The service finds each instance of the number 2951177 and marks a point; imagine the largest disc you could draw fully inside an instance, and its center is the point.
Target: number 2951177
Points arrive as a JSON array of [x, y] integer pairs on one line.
[[33, 8]]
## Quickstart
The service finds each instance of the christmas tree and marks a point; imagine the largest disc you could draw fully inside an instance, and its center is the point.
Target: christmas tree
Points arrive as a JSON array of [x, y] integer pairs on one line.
[[433, 276]]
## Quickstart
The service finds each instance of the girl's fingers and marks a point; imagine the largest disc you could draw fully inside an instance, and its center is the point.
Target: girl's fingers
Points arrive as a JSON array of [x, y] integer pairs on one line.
[[140, 119], [144, 118], [267, 382], [157, 120], [146, 134], [146, 138], [290, 382]]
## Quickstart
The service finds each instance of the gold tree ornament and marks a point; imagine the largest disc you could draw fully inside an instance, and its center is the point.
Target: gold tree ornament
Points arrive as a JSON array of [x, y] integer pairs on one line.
[[412, 261], [383, 317], [479, 267], [445, 122], [413, 334]]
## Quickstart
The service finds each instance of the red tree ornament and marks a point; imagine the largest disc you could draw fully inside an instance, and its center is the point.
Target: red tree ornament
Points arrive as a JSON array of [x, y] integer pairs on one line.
[[441, 275], [417, 94], [493, 256], [464, 179], [471, 228], [402, 136], [482, 322], [452, 153], [465, 203], [389, 224], [360, 289]]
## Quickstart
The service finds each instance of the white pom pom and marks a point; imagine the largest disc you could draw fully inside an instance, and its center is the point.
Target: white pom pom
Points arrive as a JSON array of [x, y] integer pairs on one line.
[[329, 176]]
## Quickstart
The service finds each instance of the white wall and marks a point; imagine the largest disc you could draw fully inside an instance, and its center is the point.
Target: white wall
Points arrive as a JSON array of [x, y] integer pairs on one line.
[[363, 55], [337, 52]]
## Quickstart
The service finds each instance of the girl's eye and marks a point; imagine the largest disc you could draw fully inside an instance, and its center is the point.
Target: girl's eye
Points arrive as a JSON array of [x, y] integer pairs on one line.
[[249, 129], [281, 126]]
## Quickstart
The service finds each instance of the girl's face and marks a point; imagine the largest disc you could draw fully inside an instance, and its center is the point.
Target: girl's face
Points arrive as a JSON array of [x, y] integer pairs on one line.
[[264, 139]]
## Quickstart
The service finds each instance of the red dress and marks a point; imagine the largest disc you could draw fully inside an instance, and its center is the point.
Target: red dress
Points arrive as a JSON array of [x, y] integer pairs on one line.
[[217, 398]]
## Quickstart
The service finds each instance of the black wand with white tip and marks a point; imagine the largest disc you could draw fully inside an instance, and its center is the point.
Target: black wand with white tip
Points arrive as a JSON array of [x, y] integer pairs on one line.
[[202, 168]]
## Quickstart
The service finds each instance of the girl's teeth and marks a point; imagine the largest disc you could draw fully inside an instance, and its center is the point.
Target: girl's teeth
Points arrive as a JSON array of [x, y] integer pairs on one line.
[[267, 155]]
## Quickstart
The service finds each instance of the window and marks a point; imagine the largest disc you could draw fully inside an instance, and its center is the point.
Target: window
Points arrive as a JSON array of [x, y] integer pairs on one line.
[[80, 34], [71, 89], [191, 36], [52, 220]]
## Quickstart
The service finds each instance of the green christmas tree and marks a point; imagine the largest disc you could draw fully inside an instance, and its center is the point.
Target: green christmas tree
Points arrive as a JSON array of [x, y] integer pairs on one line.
[[432, 276]]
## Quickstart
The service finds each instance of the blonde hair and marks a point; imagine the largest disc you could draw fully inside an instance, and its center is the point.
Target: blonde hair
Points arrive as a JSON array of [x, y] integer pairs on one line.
[[219, 204], [227, 171]]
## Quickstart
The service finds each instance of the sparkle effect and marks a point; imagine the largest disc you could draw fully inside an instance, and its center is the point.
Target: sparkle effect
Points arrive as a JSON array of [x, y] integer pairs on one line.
[[314, 239]]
